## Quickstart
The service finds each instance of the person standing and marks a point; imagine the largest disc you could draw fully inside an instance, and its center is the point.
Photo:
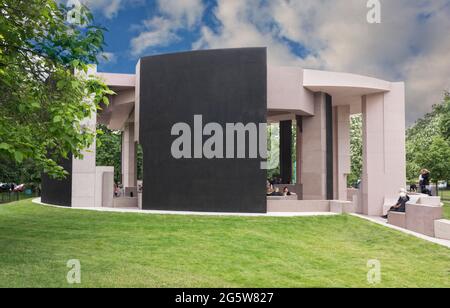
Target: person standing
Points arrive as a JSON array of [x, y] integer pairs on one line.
[[425, 182]]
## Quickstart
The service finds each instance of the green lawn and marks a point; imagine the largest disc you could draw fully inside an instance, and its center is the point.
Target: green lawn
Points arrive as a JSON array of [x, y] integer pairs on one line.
[[447, 210], [138, 250], [445, 195]]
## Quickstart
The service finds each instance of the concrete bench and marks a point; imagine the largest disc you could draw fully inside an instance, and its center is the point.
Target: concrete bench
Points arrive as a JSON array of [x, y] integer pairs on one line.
[[295, 206], [413, 199], [281, 198], [397, 219], [388, 203], [442, 229], [433, 201], [420, 218], [342, 207]]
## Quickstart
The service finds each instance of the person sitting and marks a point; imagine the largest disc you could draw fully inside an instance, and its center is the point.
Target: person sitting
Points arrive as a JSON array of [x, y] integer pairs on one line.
[[269, 189], [401, 203], [286, 192], [277, 193]]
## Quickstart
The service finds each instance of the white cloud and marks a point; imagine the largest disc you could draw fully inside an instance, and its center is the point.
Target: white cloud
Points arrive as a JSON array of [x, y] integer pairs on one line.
[[162, 29], [107, 57], [410, 44], [109, 8]]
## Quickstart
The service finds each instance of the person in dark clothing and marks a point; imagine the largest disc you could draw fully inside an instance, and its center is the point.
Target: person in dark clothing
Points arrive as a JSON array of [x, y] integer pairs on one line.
[[277, 193], [425, 182], [401, 203], [413, 188], [286, 191]]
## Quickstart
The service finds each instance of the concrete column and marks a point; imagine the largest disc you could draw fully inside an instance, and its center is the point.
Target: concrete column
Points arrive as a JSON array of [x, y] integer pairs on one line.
[[286, 151], [314, 173], [384, 159], [342, 157], [394, 140], [84, 178], [299, 149], [83, 170], [137, 101], [129, 176]]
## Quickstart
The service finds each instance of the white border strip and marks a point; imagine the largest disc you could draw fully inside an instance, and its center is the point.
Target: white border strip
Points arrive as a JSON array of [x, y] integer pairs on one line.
[[138, 211]]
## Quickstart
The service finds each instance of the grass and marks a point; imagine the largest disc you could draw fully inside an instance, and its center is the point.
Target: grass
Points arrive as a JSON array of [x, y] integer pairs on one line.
[[138, 250], [445, 195], [447, 210]]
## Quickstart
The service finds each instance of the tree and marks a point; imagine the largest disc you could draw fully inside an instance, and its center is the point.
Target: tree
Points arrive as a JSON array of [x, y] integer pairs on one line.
[[444, 111], [109, 150], [437, 159], [44, 80], [356, 148], [423, 136]]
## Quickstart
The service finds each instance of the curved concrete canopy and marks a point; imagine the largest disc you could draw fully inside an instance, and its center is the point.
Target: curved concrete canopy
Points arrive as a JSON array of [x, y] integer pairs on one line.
[[343, 84], [118, 82], [117, 113]]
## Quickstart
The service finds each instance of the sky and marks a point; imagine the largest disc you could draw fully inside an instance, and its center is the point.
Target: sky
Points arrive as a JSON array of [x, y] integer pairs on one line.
[[411, 44]]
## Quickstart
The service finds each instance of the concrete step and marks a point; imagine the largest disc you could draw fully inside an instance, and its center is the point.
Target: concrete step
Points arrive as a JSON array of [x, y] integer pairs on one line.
[[442, 229]]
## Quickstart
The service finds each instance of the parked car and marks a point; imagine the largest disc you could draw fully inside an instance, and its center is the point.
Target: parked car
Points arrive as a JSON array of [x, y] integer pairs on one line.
[[19, 188], [442, 185], [5, 187]]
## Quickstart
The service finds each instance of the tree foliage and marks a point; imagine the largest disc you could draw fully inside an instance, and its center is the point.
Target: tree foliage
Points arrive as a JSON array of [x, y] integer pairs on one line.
[[44, 102], [437, 159], [428, 144], [356, 148], [444, 111], [109, 150]]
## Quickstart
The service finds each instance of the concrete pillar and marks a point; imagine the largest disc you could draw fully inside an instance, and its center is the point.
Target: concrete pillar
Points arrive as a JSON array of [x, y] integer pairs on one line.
[[299, 148], [129, 175], [286, 151], [83, 170], [84, 177], [384, 159], [137, 101], [314, 158], [342, 157]]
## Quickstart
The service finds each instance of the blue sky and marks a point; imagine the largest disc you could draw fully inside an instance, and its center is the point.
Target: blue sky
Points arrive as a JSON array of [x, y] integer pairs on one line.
[[410, 44]]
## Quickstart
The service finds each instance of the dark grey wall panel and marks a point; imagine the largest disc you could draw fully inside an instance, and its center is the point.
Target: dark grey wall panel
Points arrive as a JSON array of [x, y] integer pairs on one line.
[[58, 192], [330, 165], [225, 86], [286, 151]]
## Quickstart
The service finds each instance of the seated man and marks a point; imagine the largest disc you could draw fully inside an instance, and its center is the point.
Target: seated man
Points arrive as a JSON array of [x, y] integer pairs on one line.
[[401, 203]]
